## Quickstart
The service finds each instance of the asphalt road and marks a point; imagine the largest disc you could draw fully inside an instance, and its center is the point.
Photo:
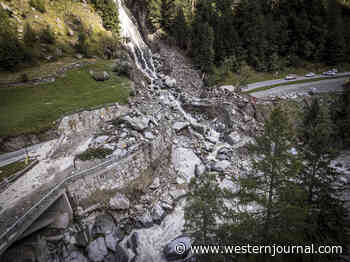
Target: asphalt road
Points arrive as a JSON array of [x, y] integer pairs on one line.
[[323, 86], [282, 81], [8, 158]]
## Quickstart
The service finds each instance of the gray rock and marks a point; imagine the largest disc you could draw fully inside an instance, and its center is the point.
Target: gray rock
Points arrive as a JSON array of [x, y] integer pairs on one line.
[[149, 135], [170, 82], [177, 249], [62, 221], [104, 225], [228, 88], [184, 161], [97, 250], [100, 76], [75, 256], [199, 170], [119, 202], [233, 138], [177, 193], [119, 255], [157, 214], [221, 165], [145, 220], [155, 184], [178, 126], [137, 123], [79, 56]]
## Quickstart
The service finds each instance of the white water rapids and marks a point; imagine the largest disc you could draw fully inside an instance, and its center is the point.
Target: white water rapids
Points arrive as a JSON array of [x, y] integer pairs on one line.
[[141, 52]]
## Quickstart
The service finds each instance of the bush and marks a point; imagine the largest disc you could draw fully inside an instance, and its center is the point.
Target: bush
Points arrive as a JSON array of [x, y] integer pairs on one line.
[[83, 46], [38, 5], [11, 49], [108, 11], [48, 36], [108, 47], [94, 153], [30, 37]]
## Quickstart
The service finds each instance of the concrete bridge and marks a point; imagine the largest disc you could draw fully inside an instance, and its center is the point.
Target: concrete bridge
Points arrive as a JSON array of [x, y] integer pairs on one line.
[[54, 205], [56, 210]]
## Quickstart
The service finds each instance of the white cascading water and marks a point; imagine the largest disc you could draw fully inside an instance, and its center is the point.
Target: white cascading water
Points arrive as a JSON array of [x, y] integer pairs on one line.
[[142, 53]]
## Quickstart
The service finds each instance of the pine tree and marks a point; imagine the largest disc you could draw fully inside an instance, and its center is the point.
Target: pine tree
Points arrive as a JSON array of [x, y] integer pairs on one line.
[[327, 221], [204, 208], [179, 29], [273, 174], [202, 46]]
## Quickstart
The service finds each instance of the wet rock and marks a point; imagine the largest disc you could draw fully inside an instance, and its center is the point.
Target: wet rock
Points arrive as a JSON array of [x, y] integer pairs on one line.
[[157, 214], [184, 161], [170, 82], [177, 249], [97, 250], [119, 202]]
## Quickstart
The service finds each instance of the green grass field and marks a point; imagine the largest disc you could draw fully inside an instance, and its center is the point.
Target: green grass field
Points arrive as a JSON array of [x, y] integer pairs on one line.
[[36, 108]]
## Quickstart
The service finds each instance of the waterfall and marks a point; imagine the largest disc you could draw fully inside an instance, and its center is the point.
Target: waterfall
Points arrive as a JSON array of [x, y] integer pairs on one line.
[[134, 42]]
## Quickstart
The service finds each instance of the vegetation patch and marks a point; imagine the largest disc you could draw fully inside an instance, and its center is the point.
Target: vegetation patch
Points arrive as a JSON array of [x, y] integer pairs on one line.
[[13, 168], [94, 153], [36, 108]]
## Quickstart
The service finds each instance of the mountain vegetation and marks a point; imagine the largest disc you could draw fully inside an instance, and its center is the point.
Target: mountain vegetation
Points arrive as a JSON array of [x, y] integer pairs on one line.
[[267, 35]]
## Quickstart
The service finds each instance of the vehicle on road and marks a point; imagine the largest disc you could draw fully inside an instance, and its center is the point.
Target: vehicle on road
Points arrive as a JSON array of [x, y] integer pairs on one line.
[[329, 73], [291, 77], [310, 74]]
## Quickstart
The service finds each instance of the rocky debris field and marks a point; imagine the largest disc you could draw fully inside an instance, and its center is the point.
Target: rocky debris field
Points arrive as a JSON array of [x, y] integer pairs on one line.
[[207, 134]]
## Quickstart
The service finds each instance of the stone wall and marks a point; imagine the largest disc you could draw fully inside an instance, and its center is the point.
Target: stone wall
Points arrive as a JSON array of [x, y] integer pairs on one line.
[[119, 175]]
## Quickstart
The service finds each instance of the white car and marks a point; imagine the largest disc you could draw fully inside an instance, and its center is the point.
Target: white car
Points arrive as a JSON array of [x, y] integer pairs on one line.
[[291, 77], [329, 73], [310, 74]]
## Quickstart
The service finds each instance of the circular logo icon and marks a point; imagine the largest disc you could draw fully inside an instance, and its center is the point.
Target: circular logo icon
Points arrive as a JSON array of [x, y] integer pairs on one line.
[[180, 248]]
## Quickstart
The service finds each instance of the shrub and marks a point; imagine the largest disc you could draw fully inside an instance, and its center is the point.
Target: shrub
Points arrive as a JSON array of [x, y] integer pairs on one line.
[[48, 36], [94, 153], [11, 50], [108, 11], [30, 37], [83, 44], [108, 46], [38, 5]]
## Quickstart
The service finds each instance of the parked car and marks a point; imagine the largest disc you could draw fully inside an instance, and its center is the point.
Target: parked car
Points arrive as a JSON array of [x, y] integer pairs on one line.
[[310, 74], [291, 77], [334, 70]]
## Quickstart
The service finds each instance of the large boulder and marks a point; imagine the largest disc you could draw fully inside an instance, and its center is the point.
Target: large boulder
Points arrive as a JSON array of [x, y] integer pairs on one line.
[[75, 256], [103, 225], [97, 250], [100, 76], [177, 249], [184, 161], [137, 123], [119, 255], [233, 138], [157, 213], [119, 202], [170, 82]]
